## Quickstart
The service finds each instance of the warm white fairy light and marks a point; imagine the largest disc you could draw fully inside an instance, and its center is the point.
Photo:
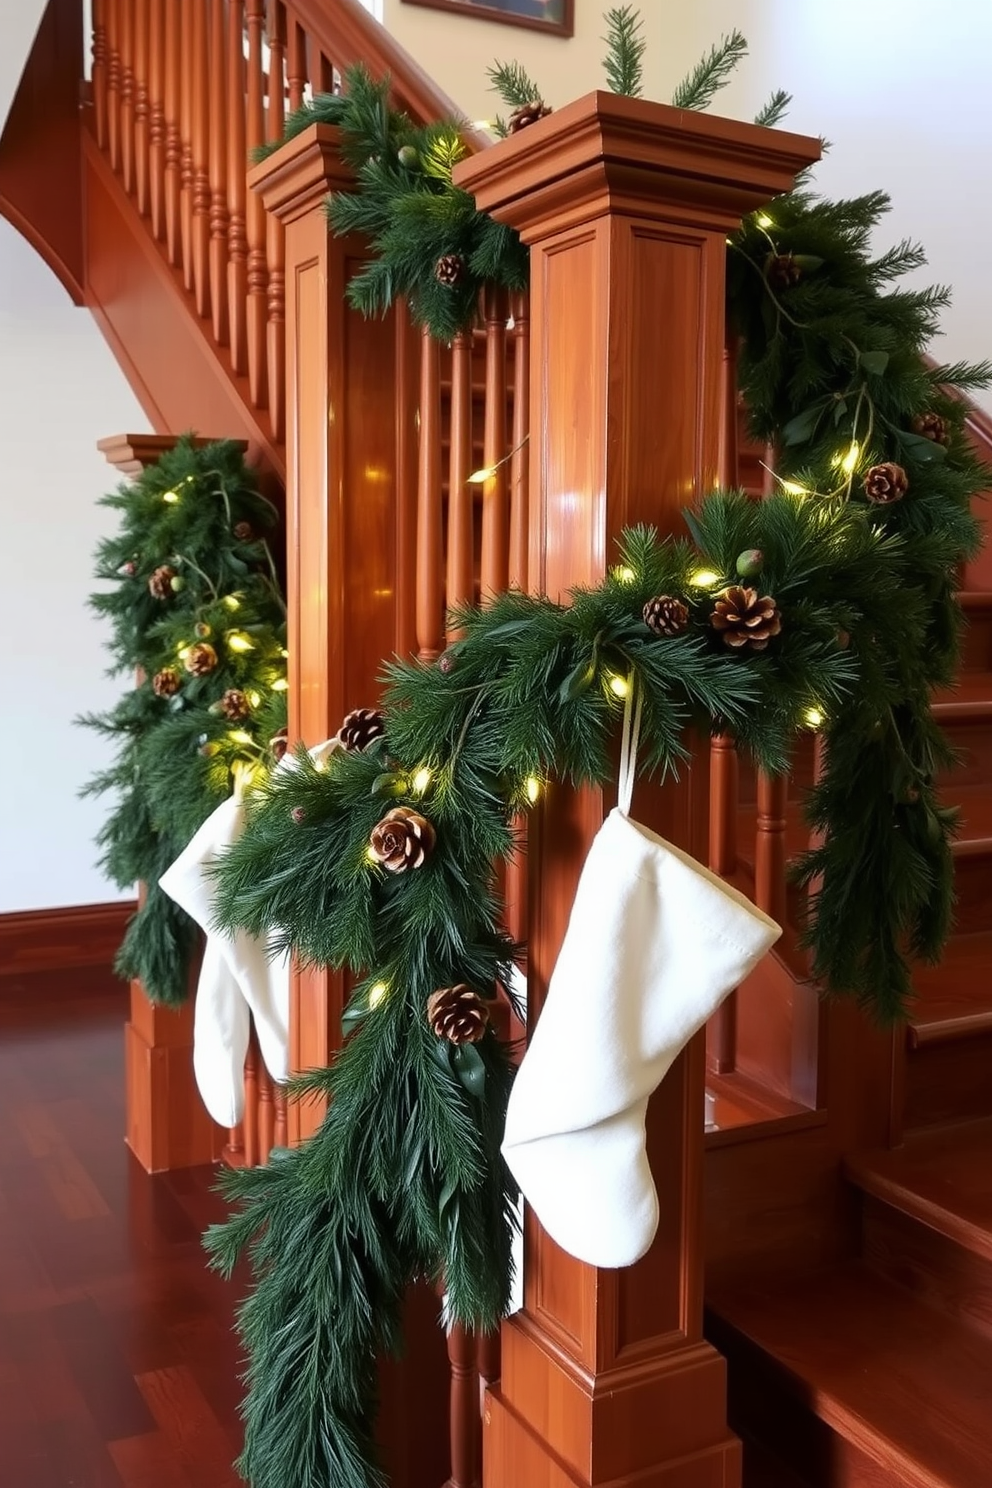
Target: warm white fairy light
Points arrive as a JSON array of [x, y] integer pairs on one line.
[[238, 642], [764, 220], [704, 578], [232, 601], [850, 460], [376, 994], [532, 788], [280, 684], [814, 717], [479, 477], [254, 698], [239, 736], [794, 488], [619, 686], [624, 574], [420, 781]]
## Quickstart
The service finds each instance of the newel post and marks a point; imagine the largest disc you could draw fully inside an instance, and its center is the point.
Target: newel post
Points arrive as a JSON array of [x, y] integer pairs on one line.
[[341, 504], [625, 204]]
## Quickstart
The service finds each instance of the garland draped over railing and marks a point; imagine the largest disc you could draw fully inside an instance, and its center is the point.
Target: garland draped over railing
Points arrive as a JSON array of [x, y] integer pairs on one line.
[[195, 609], [829, 604]]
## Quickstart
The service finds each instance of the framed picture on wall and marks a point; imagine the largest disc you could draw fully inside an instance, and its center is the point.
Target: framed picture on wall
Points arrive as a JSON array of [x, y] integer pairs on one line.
[[556, 17]]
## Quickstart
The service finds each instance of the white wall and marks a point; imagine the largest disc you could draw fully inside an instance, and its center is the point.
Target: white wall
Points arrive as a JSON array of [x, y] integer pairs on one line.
[[60, 391], [901, 89]]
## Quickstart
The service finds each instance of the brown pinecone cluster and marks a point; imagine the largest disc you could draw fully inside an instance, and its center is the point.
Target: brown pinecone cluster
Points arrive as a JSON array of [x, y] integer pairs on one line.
[[782, 270], [160, 582], [244, 531], [166, 682], [457, 1014], [886, 483], [449, 268], [403, 839], [360, 727], [279, 743], [200, 659], [665, 615], [234, 705], [931, 426], [746, 618], [527, 113]]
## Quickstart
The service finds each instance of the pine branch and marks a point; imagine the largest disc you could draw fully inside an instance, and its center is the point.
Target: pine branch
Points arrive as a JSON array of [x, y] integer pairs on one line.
[[774, 110], [511, 81], [623, 64], [711, 73]]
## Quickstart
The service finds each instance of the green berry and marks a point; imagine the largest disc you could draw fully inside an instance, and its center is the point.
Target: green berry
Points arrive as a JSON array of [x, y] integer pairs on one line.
[[408, 157], [177, 583], [749, 563]]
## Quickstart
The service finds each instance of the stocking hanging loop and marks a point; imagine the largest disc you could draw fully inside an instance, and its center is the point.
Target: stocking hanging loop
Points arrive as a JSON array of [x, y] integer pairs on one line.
[[628, 745]]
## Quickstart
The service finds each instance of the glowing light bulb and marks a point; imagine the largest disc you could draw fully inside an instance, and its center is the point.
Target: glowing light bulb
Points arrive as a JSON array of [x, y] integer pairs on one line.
[[532, 788], [183, 650], [814, 717], [703, 578], [238, 642], [619, 686], [376, 994], [239, 736], [254, 698], [421, 781], [232, 601], [280, 684], [764, 220], [624, 574], [850, 460], [371, 854], [794, 488], [479, 477], [170, 497]]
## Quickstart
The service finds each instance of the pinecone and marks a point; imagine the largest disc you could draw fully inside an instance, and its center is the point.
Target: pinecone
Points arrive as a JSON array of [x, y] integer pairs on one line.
[[200, 659], [527, 113], [279, 743], [931, 426], [886, 483], [160, 582], [665, 615], [446, 662], [201, 630], [166, 682], [402, 840], [449, 268], [234, 705], [244, 531], [782, 270], [745, 618], [360, 727], [457, 1014]]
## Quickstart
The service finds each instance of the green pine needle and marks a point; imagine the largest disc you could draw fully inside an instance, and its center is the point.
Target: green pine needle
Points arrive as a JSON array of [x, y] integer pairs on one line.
[[513, 84], [774, 110], [711, 73], [623, 64]]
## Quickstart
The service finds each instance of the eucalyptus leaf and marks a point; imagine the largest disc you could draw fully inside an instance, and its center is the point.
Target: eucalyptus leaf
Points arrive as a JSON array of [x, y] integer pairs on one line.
[[466, 1061]]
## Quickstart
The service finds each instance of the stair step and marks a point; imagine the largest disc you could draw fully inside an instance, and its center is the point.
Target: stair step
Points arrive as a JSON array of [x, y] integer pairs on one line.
[[942, 1178], [976, 649], [904, 1392], [954, 999]]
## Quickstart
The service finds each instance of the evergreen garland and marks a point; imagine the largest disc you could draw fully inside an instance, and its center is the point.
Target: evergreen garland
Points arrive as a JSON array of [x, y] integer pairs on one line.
[[195, 610]]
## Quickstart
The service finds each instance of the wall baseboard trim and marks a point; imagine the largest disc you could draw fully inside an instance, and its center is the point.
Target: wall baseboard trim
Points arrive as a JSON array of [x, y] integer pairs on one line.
[[60, 939]]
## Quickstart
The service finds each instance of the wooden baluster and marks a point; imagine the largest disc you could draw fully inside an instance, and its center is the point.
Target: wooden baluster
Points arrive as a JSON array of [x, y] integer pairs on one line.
[[199, 53], [99, 71], [234, 1147], [325, 75], [249, 1124], [721, 1033], [495, 514], [460, 587], [406, 421], [186, 140], [127, 92], [279, 1132], [257, 280], [464, 1410], [173, 137], [113, 17], [275, 239], [727, 454], [296, 64], [218, 171], [266, 1113], [520, 460], [430, 534], [141, 121], [237, 167], [156, 117], [770, 847]]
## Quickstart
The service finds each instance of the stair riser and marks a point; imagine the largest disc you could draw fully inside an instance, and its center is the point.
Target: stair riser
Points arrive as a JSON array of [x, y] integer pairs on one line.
[[763, 1405], [976, 646], [972, 738], [973, 891], [949, 1082], [940, 1272]]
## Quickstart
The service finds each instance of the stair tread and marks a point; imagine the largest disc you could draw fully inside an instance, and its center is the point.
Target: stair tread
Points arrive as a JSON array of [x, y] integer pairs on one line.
[[910, 1387], [970, 695], [942, 1177], [953, 999]]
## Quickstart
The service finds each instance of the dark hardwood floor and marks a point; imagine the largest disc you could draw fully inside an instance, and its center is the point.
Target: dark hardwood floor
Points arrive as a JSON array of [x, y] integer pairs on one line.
[[118, 1365]]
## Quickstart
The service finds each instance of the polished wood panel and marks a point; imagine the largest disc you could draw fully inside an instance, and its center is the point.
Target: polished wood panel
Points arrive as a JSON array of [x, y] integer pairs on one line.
[[37, 940], [430, 534], [460, 583], [495, 568], [167, 1124], [618, 203], [98, 70]]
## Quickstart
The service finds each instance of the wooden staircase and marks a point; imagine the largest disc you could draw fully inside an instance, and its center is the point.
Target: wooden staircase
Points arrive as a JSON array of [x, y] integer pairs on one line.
[[866, 1361]]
